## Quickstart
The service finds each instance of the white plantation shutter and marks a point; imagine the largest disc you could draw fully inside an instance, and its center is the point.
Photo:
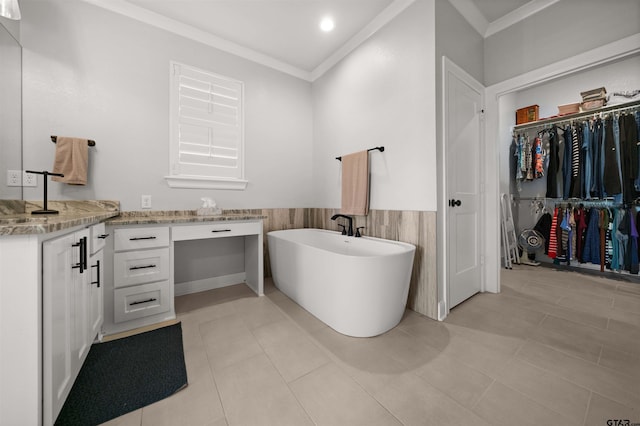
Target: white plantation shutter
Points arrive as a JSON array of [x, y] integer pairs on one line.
[[206, 128]]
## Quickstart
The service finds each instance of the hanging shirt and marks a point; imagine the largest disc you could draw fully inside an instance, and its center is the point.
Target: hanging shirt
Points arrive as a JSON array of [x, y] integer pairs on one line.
[[553, 238], [543, 226], [591, 251], [587, 164], [581, 227], [633, 247], [553, 163], [539, 158], [611, 176]]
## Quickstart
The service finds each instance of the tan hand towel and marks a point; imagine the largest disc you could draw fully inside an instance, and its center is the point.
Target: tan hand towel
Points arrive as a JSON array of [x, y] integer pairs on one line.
[[71, 160], [355, 184]]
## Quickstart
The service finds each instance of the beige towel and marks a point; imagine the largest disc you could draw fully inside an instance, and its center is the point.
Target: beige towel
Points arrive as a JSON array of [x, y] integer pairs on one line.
[[355, 183], [71, 160]]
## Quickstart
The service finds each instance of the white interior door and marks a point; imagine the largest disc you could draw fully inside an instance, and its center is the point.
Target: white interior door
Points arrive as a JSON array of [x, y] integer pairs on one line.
[[463, 99]]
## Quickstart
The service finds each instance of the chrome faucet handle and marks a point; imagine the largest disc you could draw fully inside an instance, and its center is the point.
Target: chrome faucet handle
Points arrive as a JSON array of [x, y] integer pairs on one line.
[[344, 230], [358, 234]]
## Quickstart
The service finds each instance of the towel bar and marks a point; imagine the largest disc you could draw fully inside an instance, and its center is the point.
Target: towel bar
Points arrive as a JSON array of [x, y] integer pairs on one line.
[[379, 148], [90, 142]]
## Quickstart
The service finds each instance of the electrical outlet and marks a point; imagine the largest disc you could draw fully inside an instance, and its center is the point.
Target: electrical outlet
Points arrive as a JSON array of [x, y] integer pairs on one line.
[[14, 178], [29, 179], [145, 201]]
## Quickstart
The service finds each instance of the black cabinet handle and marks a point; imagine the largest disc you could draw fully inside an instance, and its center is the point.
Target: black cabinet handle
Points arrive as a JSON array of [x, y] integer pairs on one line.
[[97, 265], [82, 245], [455, 203], [142, 301], [84, 255], [103, 236], [142, 238], [133, 268], [221, 230]]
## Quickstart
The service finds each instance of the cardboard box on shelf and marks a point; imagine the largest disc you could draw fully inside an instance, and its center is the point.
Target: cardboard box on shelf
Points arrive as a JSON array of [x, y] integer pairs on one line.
[[569, 108], [527, 114]]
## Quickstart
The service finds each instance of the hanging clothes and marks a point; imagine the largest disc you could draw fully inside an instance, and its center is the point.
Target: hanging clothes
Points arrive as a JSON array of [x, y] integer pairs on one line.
[[587, 164], [591, 251], [633, 247], [597, 166], [553, 163], [581, 227], [567, 164], [629, 153], [543, 226], [611, 175], [622, 234], [553, 236], [538, 161]]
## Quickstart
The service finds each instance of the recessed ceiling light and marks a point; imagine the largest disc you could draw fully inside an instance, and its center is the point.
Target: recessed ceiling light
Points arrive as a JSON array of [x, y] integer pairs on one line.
[[327, 24]]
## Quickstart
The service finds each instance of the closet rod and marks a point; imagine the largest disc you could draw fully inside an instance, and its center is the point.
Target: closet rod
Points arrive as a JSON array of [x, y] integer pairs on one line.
[[570, 117]]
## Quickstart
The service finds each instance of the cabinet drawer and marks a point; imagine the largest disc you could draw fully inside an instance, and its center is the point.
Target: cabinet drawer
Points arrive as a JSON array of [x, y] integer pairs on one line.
[[138, 267], [140, 238], [141, 301], [98, 237], [215, 230]]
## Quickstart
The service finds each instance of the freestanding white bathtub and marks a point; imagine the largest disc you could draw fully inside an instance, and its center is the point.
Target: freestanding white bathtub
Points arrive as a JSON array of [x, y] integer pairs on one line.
[[357, 286]]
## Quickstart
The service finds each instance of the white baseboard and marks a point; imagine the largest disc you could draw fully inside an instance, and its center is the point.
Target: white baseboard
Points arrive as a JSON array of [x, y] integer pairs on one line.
[[197, 286]]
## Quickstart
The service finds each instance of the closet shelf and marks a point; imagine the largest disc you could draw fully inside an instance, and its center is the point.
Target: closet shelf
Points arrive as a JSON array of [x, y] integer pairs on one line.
[[570, 117]]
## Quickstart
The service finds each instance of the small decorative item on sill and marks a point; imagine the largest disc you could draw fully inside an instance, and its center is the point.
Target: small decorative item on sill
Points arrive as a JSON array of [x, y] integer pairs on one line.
[[569, 108], [209, 208], [527, 114]]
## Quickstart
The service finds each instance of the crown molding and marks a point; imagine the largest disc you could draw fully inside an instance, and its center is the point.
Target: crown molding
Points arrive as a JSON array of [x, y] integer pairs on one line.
[[520, 14], [472, 14], [476, 19]]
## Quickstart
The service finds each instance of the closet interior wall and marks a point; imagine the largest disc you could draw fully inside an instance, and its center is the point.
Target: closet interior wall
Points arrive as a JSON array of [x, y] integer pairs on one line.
[[617, 76]]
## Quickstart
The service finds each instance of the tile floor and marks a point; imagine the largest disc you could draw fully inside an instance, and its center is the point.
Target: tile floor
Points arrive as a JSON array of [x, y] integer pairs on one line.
[[553, 348]]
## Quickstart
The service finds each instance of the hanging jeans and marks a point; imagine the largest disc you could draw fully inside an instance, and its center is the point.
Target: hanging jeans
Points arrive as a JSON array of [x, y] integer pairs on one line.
[[591, 251], [587, 164], [566, 164]]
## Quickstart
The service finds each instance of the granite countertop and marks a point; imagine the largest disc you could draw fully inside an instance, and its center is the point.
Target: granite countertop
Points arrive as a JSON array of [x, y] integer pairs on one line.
[[16, 217], [181, 216]]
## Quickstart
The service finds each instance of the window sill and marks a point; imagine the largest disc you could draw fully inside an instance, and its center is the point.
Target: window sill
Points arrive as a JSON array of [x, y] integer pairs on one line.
[[201, 182]]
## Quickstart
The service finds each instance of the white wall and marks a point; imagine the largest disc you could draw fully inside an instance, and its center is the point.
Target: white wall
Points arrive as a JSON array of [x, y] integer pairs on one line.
[[560, 31], [459, 41], [95, 74], [383, 93]]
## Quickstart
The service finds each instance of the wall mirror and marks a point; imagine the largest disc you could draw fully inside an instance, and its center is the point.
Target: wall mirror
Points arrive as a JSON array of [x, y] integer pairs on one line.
[[10, 113]]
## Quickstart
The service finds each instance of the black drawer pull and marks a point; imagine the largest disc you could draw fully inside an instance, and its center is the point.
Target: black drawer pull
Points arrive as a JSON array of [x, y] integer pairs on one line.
[[133, 268], [97, 265], [142, 301], [103, 236], [142, 238], [221, 230]]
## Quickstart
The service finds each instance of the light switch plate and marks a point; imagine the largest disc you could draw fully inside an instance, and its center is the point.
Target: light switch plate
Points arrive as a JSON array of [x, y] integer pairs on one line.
[[145, 201]]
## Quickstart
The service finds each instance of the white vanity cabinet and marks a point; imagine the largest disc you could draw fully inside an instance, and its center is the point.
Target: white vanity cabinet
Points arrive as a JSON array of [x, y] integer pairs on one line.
[[145, 264], [138, 278], [71, 312], [96, 265]]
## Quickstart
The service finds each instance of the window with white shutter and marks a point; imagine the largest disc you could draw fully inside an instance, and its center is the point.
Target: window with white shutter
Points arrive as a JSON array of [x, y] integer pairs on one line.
[[207, 130]]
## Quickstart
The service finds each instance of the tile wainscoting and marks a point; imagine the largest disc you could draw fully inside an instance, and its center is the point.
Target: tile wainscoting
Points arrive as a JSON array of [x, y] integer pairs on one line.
[[415, 227]]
